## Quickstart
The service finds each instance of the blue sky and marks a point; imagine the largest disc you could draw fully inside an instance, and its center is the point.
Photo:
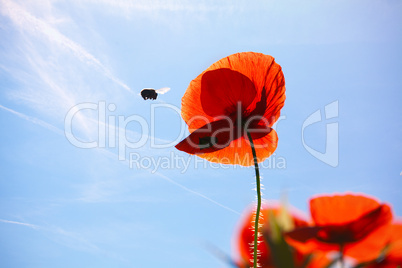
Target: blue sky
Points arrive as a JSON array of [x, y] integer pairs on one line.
[[65, 206]]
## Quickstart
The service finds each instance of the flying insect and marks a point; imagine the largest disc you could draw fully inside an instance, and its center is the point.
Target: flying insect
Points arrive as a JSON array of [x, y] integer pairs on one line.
[[150, 93]]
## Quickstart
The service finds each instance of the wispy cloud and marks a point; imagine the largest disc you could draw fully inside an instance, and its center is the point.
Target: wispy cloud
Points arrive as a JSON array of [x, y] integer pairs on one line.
[[131, 134], [101, 191], [195, 193], [168, 5], [34, 120], [63, 237], [73, 240], [53, 72], [20, 223], [29, 23]]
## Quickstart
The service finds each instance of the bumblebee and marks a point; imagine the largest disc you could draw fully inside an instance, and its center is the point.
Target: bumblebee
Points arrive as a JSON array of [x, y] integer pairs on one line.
[[150, 93]]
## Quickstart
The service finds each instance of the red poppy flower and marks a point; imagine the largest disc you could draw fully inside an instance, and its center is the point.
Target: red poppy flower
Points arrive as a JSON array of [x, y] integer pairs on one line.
[[245, 236], [393, 254], [358, 223], [242, 91]]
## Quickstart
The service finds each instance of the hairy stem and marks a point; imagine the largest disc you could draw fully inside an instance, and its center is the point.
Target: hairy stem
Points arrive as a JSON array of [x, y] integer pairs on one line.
[[258, 186]]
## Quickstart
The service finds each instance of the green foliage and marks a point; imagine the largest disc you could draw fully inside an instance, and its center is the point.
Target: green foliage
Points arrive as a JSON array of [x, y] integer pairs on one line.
[[281, 252]]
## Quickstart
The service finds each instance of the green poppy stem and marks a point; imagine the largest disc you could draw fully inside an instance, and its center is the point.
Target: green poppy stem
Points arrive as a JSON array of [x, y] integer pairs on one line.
[[258, 186]]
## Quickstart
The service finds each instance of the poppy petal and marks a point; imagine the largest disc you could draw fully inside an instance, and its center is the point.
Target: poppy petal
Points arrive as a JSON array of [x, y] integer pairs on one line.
[[311, 246], [340, 209], [304, 234], [276, 99], [358, 222], [238, 152], [260, 69], [209, 138], [272, 95], [370, 247], [357, 229], [395, 250], [265, 74], [371, 221], [223, 89]]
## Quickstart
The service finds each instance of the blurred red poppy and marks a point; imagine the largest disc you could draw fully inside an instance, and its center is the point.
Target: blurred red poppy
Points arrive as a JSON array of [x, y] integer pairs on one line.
[[356, 224], [393, 254], [242, 91], [273, 222]]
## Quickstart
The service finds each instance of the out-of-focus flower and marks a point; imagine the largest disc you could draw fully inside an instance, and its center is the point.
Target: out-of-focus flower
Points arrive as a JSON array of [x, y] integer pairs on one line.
[[272, 248], [393, 253], [239, 93], [357, 225]]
